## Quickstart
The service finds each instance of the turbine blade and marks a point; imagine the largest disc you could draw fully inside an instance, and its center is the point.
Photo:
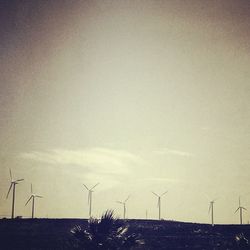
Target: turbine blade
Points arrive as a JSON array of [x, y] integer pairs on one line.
[[164, 193], [209, 207], [155, 194], [39, 196], [244, 208], [127, 199], [28, 200], [20, 180], [119, 202], [85, 186], [31, 189], [9, 190], [95, 185], [11, 175], [237, 210]]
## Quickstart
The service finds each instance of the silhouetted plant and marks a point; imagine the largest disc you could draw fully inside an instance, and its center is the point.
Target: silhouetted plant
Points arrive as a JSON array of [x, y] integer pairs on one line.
[[108, 233]]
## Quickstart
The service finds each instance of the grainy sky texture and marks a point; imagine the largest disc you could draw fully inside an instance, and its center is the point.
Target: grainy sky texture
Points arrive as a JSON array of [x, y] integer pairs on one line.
[[140, 96]]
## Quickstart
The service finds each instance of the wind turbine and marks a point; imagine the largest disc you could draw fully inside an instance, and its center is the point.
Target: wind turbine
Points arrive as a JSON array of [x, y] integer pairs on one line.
[[32, 197], [159, 202], [13, 184], [124, 206], [240, 208], [211, 209], [90, 192]]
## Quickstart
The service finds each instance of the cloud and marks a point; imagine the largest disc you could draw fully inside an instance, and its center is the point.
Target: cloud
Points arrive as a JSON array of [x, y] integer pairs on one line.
[[205, 128], [101, 164], [169, 151], [161, 179]]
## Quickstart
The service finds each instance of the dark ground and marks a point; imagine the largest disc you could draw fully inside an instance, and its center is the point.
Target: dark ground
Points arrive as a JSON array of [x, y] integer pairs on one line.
[[54, 234]]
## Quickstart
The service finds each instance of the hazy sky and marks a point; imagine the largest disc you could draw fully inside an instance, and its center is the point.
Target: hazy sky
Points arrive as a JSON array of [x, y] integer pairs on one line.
[[140, 96]]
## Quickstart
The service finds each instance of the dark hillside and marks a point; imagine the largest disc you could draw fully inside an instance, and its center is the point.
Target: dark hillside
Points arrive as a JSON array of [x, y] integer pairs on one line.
[[27, 234]]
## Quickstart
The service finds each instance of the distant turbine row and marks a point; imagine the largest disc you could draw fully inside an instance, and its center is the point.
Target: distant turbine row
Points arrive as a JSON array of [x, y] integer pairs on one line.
[[211, 210], [90, 192], [13, 184], [159, 202], [240, 208], [124, 207], [32, 197]]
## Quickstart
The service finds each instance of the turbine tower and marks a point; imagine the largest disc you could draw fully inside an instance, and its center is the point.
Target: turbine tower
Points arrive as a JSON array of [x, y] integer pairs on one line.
[[240, 208], [211, 209], [159, 202], [32, 197], [13, 184], [90, 192], [124, 206]]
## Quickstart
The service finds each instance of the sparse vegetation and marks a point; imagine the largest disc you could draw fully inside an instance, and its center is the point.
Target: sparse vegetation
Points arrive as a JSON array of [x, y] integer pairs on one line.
[[54, 234], [242, 242]]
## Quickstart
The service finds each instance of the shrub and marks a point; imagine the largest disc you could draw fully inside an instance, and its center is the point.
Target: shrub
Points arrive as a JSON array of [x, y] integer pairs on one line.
[[108, 233]]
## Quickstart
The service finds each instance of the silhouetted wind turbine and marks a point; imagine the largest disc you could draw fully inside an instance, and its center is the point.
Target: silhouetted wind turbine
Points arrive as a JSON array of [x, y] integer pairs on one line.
[[90, 191], [211, 208], [13, 184], [240, 208], [32, 196], [124, 206], [159, 202]]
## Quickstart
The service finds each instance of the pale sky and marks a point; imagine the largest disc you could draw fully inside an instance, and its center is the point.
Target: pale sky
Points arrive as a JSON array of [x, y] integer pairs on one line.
[[140, 96]]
